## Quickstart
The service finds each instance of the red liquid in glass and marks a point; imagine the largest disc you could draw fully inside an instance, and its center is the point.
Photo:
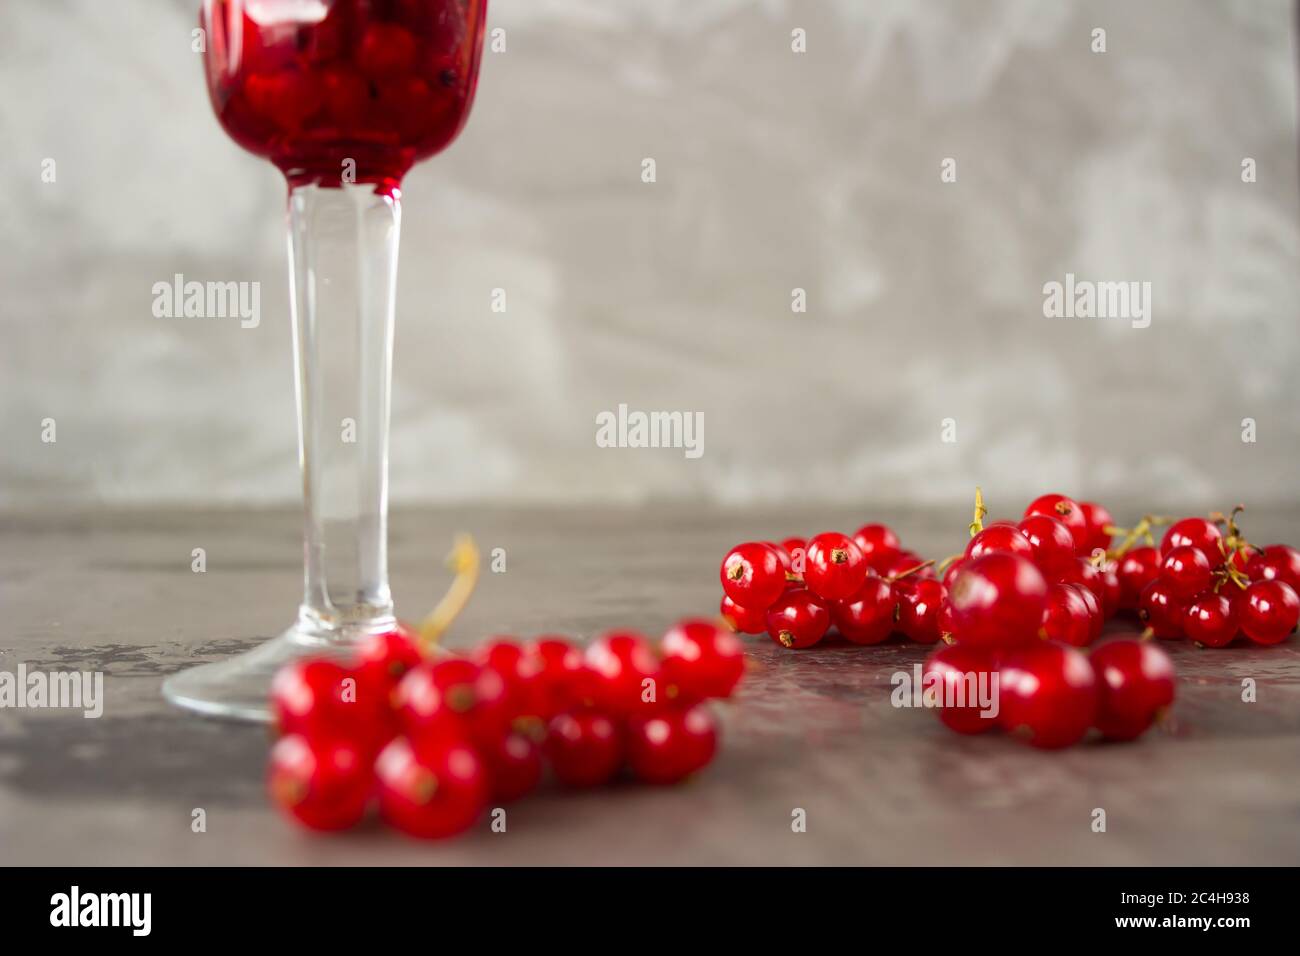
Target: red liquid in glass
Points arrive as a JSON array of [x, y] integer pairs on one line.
[[313, 84]]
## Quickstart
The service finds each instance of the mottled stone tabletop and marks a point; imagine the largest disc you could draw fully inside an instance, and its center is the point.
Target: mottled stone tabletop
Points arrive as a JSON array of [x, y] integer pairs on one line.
[[1218, 783]]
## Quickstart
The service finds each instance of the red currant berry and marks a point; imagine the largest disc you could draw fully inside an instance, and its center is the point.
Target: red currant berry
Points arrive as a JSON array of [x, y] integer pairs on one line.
[[957, 673], [1186, 571], [868, 616], [906, 564], [386, 657], [1135, 681], [742, 619], [1269, 611], [792, 545], [1085, 574], [315, 697], [585, 748], [432, 789], [1068, 617], [1137, 569], [918, 609], [951, 572], [702, 660], [1048, 693], [799, 619], [1002, 537], [1276, 562], [945, 620], [1067, 511], [998, 601], [1098, 519], [627, 673], [1210, 620], [520, 670], [514, 766], [878, 544], [1162, 610], [386, 51], [1110, 589], [836, 567], [1096, 611], [752, 575], [1196, 533], [454, 697], [564, 680], [1051, 540], [671, 745], [324, 783]]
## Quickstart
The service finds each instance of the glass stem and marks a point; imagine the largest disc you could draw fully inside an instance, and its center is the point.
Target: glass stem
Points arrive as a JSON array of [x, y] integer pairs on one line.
[[342, 275]]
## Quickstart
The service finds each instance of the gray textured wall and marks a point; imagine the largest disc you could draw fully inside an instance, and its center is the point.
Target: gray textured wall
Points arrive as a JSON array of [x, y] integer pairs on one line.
[[775, 170]]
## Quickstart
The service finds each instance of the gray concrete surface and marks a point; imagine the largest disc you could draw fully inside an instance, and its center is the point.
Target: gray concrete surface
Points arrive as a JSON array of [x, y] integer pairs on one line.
[[1218, 783]]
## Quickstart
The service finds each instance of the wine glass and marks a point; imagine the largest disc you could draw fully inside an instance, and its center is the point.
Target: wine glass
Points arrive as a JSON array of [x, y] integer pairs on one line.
[[344, 96]]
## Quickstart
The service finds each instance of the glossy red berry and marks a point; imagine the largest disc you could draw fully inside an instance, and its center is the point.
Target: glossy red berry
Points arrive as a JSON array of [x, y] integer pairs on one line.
[[669, 746], [1268, 611], [1210, 620], [1196, 533], [320, 697], [998, 601], [324, 783], [950, 573], [513, 763], [958, 676], [702, 660], [585, 748], [1162, 610], [386, 51], [432, 789], [1137, 569], [1068, 617], [1084, 573], [866, 617], [878, 545], [836, 567], [1067, 511], [742, 619], [1002, 537], [564, 681], [1110, 588], [1276, 562], [906, 564], [1051, 541], [1135, 681], [1097, 519], [387, 656], [520, 670], [918, 609], [627, 673], [1186, 571], [453, 696], [797, 549], [1048, 693], [799, 619], [753, 575]]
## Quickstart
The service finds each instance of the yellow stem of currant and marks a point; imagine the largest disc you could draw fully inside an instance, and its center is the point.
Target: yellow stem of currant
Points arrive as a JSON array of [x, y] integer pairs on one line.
[[463, 562], [981, 513]]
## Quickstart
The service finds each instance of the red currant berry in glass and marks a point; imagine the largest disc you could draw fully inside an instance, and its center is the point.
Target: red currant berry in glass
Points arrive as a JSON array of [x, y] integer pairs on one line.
[[1052, 543], [386, 51], [1068, 617], [918, 609], [324, 783], [1067, 511], [1186, 571], [866, 617], [1098, 519], [627, 672], [1135, 681], [799, 619], [1047, 693], [702, 660], [434, 788], [752, 575], [962, 676], [1210, 620], [836, 567], [742, 619], [1137, 569], [1276, 562], [1002, 537], [998, 601], [585, 748], [1162, 610], [1269, 611], [1196, 533], [513, 764], [563, 680], [878, 544], [671, 745]]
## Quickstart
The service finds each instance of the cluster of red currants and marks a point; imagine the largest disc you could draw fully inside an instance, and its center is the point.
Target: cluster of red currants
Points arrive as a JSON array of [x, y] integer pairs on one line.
[[435, 740]]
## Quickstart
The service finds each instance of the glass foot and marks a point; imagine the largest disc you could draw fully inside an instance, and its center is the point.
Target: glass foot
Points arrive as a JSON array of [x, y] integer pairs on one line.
[[238, 688]]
